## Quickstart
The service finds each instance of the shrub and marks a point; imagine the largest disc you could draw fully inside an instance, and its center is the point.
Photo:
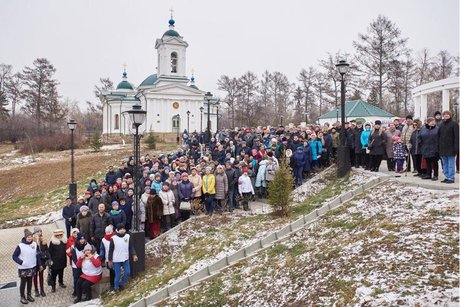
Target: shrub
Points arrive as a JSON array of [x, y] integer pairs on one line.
[[96, 141], [58, 142], [279, 190], [151, 141]]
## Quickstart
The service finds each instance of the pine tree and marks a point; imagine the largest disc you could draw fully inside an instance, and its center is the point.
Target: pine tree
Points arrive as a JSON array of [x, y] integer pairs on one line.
[[279, 190], [151, 141], [96, 141]]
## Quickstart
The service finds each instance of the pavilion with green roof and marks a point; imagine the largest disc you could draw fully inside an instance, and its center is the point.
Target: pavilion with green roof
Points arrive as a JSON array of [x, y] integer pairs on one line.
[[357, 110]]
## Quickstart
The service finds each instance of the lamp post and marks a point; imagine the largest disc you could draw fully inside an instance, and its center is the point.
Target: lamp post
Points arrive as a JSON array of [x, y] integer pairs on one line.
[[343, 154], [178, 128], [188, 121], [217, 117], [281, 123], [137, 116], [72, 124], [208, 97], [201, 124]]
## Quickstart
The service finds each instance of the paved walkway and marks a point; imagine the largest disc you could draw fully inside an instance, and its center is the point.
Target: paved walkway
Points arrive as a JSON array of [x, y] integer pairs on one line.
[[9, 238]]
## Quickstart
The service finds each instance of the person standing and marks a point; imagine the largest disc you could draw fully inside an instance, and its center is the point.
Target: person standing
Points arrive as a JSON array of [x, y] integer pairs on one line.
[[376, 146], [69, 215], [76, 253], [58, 258], [84, 222], [406, 135], [185, 194], [416, 149], [42, 250], [120, 249], [388, 135], [232, 180], [245, 188], [27, 258], [221, 184], [167, 197], [105, 247], [91, 272], [98, 223], [430, 151], [364, 140], [448, 146], [153, 214], [209, 190]]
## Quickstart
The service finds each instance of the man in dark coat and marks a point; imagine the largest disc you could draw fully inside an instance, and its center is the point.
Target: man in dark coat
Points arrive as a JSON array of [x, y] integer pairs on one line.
[[232, 180], [95, 201], [448, 146], [69, 215], [99, 221], [111, 176]]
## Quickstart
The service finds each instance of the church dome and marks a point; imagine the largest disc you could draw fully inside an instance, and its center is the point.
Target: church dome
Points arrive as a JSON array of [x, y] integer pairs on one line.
[[171, 33], [150, 80], [124, 85]]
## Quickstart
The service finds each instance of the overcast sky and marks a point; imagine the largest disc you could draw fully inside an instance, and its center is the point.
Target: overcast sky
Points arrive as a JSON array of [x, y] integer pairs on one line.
[[88, 39]]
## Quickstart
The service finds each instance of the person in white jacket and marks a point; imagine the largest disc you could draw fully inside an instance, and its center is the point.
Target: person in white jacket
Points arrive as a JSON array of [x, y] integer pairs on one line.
[[167, 197], [245, 188]]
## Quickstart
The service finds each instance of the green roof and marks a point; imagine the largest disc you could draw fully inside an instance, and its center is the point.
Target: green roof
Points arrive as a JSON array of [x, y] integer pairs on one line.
[[171, 33], [150, 80], [125, 85], [357, 108], [194, 86]]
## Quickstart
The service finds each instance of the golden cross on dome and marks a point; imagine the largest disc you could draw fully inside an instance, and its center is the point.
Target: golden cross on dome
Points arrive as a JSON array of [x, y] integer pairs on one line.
[[172, 12], [124, 67]]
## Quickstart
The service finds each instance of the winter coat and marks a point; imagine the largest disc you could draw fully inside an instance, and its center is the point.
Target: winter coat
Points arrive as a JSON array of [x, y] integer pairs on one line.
[[406, 133], [399, 150], [364, 138], [429, 141], [357, 139], [186, 190], [376, 143], [270, 171], [111, 178], [118, 217], [260, 178], [388, 135], [98, 224], [316, 149], [84, 224], [57, 252], [94, 204], [128, 210], [197, 184], [300, 159], [416, 148], [448, 138], [31, 262], [221, 185], [42, 248], [154, 209], [335, 139], [156, 185], [231, 178], [69, 212], [168, 202], [209, 184]]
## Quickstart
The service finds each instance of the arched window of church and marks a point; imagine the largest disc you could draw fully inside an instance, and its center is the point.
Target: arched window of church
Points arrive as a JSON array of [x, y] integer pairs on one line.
[[117, 122], [174, 62]]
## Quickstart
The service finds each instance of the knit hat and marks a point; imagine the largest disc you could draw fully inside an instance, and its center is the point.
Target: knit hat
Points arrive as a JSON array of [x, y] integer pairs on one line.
[[74, 229], [115, 203], [395, 138], [184, 174], [27, 233], [80, 236], [447, 112], [84, 208], [109, 229], [244, 169], [120, 226], [409, 117], [378, 122], [88, 247], [147, 188], [37, 229], [300, 148], [437, 113], [166, 183]]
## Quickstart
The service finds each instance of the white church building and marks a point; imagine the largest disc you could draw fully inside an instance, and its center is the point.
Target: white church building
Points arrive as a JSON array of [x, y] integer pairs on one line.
[[171, 99]]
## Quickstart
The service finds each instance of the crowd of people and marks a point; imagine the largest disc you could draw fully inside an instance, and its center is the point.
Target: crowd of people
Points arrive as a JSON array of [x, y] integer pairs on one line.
[[225, 173]]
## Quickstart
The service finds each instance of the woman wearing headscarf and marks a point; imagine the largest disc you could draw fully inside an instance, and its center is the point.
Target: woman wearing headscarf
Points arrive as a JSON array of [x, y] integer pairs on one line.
[[28, 260], [376, 146]]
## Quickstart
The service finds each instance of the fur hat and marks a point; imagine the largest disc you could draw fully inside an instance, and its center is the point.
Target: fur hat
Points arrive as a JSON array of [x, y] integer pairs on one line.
[[447, 112], [409, 117], [58, 232], [27, 233], [437, 113], [84, 208], [378, 122], [109, 229]]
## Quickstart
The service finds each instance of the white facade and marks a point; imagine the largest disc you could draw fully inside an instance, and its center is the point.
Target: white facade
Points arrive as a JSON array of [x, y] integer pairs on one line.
[[166, 95]]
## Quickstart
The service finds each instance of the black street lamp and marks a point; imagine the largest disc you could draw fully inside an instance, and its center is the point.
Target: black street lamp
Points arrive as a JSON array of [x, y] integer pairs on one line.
[[178, 128], [281, 123], [217, 117], [343, 154], [72, 124], [137, 116], [208, 97], [201, 124], [188, 121]]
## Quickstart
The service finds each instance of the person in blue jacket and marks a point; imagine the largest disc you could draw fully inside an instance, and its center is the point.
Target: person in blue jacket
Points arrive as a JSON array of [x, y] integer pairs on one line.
[[300, 159], [316, 151], [364, 143], [28, 260]]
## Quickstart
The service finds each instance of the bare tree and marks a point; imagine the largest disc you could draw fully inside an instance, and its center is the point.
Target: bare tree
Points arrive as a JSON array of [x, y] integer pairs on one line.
[[248, 86], [307, 80], [377, 49], [15, 94], [5, 76], [443, 65], [231, 89]]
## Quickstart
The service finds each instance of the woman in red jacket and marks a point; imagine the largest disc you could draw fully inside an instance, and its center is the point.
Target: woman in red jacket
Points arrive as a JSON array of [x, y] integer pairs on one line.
[[91, 269]]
